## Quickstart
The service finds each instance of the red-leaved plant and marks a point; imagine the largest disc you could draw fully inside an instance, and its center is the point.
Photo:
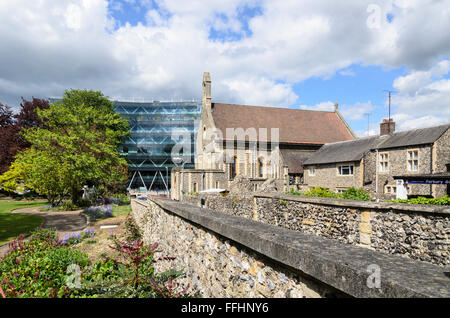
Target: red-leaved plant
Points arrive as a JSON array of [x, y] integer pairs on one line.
[[134, 254]]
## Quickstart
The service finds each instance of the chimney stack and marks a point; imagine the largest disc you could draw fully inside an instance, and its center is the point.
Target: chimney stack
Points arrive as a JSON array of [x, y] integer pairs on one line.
[[387, 127]]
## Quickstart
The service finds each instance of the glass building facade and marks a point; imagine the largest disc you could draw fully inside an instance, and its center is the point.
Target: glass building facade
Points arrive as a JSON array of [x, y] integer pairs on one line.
[[149, 148]]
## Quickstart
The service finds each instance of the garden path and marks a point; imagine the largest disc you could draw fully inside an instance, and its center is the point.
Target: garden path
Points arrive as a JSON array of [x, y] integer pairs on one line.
[[65, 222]]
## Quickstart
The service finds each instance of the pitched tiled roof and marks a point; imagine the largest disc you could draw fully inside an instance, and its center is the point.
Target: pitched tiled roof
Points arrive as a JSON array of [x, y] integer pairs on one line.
[[419, 136], [295, 159], [295, 125], [354, 150], [345, 151]]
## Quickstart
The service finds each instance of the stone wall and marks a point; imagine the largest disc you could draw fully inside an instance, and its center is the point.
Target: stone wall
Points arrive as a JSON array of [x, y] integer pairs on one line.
[[416, 232], [233, 204], [441, 151], [228, 256], [398, 166], [216, 266], [327, 174]]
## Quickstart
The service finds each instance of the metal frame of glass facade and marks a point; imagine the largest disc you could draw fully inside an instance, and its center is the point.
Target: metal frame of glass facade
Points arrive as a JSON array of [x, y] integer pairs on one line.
[[148, 149]]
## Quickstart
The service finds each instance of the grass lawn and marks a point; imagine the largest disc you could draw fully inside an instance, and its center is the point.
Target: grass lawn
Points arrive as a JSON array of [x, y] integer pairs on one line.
[[121, 209], [12, 225]]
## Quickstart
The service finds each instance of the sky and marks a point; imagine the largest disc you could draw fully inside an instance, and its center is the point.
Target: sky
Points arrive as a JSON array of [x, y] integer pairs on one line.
[[291, 53]]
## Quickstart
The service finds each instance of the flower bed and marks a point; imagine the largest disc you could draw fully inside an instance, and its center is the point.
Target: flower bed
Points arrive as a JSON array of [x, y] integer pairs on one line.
[[48, 267], [99, 212]]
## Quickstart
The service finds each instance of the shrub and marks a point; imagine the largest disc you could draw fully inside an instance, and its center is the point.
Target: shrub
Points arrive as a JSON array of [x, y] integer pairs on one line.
[[353, 193], [445, 200], [292, 191], [321, 192], [37, 268], [69, 206], [132, 230]]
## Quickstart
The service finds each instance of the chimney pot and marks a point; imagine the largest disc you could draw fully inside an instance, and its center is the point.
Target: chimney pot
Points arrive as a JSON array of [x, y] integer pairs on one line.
[[387, 126]]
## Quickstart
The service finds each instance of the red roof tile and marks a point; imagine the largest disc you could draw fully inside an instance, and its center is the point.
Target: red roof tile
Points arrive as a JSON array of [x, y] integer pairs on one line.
[[295, 125]]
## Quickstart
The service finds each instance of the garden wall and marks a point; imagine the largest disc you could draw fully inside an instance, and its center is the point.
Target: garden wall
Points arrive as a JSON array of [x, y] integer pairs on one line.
[[415, 231], [231, 256]]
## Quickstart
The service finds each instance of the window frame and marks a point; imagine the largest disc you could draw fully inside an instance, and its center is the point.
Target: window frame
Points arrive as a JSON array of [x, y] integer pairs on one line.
[[380, 162], [339, 170], [412, 160], [313, 170]]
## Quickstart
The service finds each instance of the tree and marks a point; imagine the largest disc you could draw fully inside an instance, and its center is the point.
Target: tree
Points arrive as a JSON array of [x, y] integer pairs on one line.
[[11, 141], [28, 117], [8, 137], [78, 143]]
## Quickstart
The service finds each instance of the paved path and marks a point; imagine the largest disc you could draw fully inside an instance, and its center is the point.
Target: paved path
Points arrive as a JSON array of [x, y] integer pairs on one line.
[[64, 222]]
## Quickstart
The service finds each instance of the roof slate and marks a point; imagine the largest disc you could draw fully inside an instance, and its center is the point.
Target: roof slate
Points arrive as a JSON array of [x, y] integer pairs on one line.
[[295, 159], [419, 136], [354, 150], [345, 151], [295, 125]]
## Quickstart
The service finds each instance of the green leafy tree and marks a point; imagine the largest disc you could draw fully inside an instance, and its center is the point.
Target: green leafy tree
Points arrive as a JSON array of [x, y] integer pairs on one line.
[[78, 144]]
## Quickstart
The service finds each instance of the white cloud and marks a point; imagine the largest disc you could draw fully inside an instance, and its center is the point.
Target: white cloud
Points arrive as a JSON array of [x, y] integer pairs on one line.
[[357, 111], [54, 45], [347, 73], [407, 122], [324, 106], [423, 97]]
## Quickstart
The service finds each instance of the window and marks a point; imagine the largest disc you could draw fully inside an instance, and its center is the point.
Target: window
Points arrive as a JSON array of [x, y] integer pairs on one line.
[[390, 189], [413, 160], [312, 172], [194, 187], [340, 191], [260, 168], [217, 185], [345, 170], [384, 162]]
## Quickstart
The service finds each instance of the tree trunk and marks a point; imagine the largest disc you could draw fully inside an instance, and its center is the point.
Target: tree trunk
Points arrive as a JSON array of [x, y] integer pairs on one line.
[[75, 194]]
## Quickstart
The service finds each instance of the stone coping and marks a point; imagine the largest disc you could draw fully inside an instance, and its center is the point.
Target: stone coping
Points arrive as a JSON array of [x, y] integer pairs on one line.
[[340, 266], [365, 205]]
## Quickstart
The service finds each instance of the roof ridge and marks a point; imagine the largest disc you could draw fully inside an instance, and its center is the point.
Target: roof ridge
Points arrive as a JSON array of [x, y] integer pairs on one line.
[[239, 105], [353, 140], [422, 128]]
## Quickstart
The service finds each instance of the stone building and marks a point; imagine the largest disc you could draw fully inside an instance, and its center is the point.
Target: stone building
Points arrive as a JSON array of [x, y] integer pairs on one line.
[[379, 164], [259, 144]]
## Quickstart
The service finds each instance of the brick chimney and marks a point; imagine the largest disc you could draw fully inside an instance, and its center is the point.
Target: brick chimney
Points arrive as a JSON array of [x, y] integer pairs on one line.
[[387, 127]]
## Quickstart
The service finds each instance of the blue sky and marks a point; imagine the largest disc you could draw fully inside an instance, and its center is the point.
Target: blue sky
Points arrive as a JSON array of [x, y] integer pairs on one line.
[[290, 53], [355, 84]]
